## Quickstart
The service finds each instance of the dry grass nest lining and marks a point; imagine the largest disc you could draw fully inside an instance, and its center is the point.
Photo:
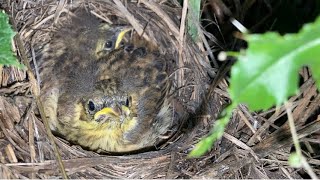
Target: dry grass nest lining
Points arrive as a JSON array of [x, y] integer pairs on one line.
[[25, 146]]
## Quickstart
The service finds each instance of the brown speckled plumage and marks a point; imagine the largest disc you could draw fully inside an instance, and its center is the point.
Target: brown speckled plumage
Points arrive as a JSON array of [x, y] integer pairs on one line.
[[75, 70]]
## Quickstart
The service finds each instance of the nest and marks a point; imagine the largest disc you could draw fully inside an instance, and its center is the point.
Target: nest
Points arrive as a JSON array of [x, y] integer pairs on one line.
[[26, 150], [24, 136]]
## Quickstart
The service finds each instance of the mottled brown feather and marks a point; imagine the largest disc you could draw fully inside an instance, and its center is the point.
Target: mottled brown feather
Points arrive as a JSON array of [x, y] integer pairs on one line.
[[74, 73]]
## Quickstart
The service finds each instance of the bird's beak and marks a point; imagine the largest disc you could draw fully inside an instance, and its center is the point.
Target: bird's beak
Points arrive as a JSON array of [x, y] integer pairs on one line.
[[105, 112], [115, 112], [121, 32]]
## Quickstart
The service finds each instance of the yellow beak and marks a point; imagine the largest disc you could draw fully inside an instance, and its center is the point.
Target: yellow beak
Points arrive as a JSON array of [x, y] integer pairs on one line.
[[106, 112], [111, 112], [122, 32]]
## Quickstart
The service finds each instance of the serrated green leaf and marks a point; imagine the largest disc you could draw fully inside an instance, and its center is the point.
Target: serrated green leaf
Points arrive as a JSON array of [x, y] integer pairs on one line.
[[6, 34], [267, 73]]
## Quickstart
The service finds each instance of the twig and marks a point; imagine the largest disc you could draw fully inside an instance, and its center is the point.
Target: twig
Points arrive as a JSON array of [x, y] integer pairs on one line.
[[36, 93], [35, 66], [161, 13], [133, 21], [240, 144], [295, 139], [246, 121], [181, 42], [183, 24]]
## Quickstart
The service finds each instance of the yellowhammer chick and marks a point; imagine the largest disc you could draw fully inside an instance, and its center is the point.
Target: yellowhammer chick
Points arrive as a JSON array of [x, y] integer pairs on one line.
[[100, 93]]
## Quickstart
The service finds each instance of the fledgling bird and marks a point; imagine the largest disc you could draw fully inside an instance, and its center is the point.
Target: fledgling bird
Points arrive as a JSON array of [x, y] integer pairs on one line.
[[99, 93]]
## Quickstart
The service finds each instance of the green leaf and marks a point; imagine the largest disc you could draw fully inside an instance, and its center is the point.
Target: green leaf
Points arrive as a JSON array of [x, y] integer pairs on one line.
[[267, 73], [6, 34], [193, 17], [295, 160]]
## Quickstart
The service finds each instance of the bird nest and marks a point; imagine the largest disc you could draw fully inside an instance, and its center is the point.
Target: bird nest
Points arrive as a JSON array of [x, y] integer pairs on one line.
[[26, 149], [245, 151]]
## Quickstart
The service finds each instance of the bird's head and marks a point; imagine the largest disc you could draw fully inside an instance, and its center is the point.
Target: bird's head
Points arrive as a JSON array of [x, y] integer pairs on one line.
[[105, 108], [86, 34], [110, 38]]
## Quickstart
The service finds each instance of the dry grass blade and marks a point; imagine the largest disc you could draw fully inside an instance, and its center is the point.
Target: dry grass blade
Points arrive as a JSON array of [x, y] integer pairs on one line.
[[262, 149], [163, 15], [131, 19], [36, 92]]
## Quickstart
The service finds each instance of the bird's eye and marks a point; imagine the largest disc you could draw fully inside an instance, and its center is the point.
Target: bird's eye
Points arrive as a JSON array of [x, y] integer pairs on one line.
[[128, 101], [108, 45], [91, 106]]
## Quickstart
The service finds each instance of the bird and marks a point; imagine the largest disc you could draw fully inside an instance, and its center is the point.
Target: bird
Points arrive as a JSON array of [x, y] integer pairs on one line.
[[103, 93]]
